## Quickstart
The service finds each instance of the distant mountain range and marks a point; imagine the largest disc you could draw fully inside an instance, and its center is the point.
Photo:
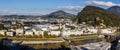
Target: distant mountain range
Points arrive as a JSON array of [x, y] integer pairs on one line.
[[115, 10], [56, 14], [18, 16], [59, 14], [93, 15]]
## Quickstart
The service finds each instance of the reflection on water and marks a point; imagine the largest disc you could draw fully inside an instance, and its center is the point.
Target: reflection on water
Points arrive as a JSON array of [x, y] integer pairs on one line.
[[6, 44]]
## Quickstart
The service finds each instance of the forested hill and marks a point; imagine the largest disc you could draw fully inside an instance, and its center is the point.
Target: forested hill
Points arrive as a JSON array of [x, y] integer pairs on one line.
[[93, 15]]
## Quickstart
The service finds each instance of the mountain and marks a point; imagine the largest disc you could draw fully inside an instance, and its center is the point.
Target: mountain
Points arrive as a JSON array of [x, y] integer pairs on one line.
[[93, 15], [115, 10], [59, 14], [18, 16]]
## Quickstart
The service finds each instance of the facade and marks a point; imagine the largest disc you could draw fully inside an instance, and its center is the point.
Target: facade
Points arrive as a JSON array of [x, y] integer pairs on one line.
[[29, 32], [10, 33], [53, 27], [67, 33], [108, 31], [37, 31], [19, 32], [2, 32], [57, 33]]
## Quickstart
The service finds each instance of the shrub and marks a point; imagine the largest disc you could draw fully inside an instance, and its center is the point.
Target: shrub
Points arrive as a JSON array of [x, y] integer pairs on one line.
[[46, 34], [63, 44], [28, 36], [51, 46], [17, 36], [40, 36], [38, 46], [1, 35], [73, 27], [35, 36]]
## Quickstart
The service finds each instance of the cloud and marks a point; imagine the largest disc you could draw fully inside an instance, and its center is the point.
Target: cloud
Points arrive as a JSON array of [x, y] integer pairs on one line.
[[20, 12], [7, 12], [69, 8], [101, 3]]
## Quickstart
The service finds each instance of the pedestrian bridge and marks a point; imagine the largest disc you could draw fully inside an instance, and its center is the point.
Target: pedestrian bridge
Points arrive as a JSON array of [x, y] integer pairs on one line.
[[36, 42]]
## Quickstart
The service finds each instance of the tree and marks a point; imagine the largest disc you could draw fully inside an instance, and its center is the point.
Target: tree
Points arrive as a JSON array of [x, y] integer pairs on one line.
[[28, 36], [46, 34], [1, 26], [73, 27], [38, 46], [52, 36], [17, 36], [60, 29], [40, 36], [35, 36], [16, 26], [64, 43], [1, 35]]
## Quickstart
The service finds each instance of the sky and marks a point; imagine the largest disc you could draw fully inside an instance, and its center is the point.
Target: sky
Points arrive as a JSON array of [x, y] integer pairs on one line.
[[42, 7]]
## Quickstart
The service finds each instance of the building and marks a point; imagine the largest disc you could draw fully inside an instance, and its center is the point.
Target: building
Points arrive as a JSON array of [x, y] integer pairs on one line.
[[108, 31], [53, 27], [57, 33], [2, 32], [19, 32], [10, 33], [38, 31], [29, 32], [70, 32]]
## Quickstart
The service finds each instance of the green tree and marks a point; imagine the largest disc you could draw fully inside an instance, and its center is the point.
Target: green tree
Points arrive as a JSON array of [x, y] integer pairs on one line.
[[16, 26], [1, 35], [28, 36], [90, 13], [17, 36], [35, 36], [60, 29], [38, 46], [40, 36], [1, 27], [46, 34], [73, 27]]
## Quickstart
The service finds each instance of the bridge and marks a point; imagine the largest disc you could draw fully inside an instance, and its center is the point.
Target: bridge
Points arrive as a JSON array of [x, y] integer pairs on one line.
[[36, 42]]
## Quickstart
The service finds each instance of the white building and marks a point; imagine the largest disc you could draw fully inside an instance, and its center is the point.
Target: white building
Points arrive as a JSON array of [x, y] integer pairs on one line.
[[27, 27], [44, 29], [29, 32], [53, 27], [38, 31], [19, 32], [108, 31], [2, 32], [57, 33], [9, 33], [69, 32], [93, 30]]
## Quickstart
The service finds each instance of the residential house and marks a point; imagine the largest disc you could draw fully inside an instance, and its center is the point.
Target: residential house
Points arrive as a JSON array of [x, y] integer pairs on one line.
[[10, 33], [29, 32], [20, 32], [57, 33], [2, 32]]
